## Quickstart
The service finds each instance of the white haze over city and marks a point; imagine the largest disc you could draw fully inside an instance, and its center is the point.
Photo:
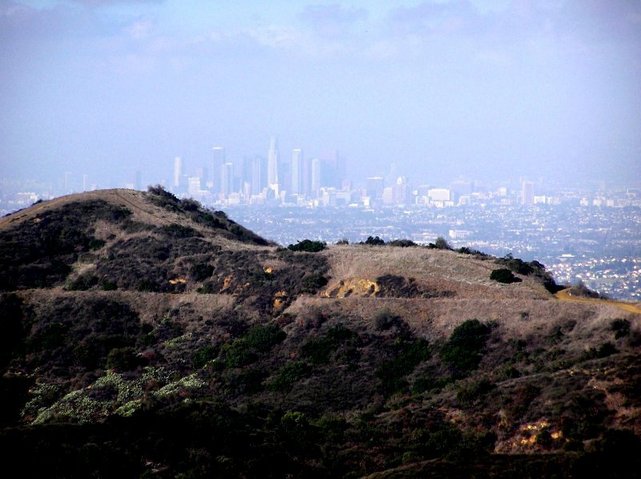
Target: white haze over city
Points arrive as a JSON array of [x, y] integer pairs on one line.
[[442, 89]]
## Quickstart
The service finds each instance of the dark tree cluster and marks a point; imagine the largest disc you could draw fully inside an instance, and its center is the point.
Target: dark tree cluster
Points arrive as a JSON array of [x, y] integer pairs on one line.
[[308, 246], [504, 275]]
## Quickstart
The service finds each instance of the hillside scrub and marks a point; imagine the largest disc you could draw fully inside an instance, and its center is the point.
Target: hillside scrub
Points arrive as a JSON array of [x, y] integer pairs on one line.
[[402, 243], [245, 350], [318, 350], [175, 350], [201, 215], [440, 243], [308, 246], [532, 268], [39, 254], [581, 290], [285, 388], [463, 350], [504, 275], [407, 355], [374, 241]]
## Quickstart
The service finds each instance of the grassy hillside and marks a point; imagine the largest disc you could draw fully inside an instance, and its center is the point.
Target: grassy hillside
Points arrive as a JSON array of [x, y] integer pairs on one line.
[[144, 335]]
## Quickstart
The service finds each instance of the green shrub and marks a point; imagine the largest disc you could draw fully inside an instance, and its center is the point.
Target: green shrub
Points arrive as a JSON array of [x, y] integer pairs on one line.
[[244, 381], [163, 198], [441, 243], [201, 271], [504, 275], [429, 383], [147, 285], [95, 244], [521, 399], [308, 246], [331, 428], [463, 350], [159, 190], [39, 253], [313, 282], [385, 319], [122, 359], [258, 339], [530, 268], [263, 338], [403, 243], [519, 266], [82, 283], [621, 328], [288, 375], [12, 331], [179, 231], [392, 372], [319, 349], [239, 354], [471, 251], [374, 241], [469, 392], [51, 336], [203, 355], [295, 424], [439, 440], [581, 289], [603, 351], [189, 204], [107, 285]]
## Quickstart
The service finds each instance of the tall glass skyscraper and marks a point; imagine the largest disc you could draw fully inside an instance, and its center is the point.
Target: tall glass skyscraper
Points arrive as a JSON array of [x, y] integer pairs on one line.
[[272, 165], [178, 173], [297, 171], [217, 174]]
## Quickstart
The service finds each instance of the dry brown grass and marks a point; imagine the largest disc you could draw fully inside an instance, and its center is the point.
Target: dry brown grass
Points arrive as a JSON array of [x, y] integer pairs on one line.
[[142, 211], [438, 270], [584, 325], [520, 310], [622, 305], [150, 307]]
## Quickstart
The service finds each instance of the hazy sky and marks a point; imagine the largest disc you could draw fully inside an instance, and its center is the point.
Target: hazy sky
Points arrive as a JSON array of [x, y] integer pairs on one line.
[[488, 89]]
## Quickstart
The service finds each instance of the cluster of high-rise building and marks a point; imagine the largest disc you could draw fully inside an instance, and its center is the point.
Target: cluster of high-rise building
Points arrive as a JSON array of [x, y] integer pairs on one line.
[[296, 179], [292, 178]]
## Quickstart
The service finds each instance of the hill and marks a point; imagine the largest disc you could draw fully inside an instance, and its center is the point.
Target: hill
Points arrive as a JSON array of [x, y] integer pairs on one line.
[[143, 335]]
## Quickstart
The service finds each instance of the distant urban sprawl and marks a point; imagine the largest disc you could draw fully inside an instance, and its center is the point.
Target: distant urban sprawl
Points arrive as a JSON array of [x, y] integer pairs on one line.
[[584, 233]]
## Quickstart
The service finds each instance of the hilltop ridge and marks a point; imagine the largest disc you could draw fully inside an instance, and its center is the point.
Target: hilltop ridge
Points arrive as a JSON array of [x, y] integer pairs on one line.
[[160, 338], [78, 234]]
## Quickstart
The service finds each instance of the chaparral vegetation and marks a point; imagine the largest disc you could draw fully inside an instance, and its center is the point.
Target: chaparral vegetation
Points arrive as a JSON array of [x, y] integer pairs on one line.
[[142, 335]]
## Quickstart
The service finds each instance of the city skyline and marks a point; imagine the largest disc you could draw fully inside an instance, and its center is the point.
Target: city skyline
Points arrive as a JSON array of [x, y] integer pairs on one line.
[[309, 180], [439, 88], [314, 181]]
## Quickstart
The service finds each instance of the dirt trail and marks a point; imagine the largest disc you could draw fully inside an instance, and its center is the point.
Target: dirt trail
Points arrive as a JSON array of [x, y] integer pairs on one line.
[[564, 295]]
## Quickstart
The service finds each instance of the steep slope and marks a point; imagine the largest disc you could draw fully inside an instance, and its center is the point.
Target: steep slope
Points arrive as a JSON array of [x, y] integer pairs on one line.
[[99, 235], [159, 338]]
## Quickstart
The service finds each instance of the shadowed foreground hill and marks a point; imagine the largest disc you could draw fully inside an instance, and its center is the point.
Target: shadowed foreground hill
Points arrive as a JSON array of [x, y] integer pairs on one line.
[[146, 336]]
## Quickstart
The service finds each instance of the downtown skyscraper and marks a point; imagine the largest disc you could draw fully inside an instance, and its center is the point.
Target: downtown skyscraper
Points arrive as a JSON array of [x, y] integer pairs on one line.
[[178, 182], [297, 172], [217, 173], [272, 165]]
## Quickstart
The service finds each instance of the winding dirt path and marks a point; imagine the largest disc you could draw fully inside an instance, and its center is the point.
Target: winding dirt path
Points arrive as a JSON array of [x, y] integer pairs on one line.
[[564, 295]]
